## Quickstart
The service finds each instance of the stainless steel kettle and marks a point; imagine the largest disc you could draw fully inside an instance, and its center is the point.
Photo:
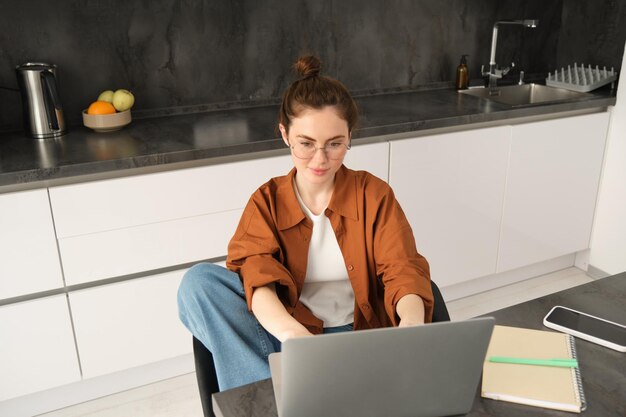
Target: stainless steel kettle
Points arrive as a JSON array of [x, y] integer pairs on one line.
[[41, 103]]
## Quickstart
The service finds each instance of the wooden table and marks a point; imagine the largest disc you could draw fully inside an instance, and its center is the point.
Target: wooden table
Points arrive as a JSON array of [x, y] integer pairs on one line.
[[603, 370]]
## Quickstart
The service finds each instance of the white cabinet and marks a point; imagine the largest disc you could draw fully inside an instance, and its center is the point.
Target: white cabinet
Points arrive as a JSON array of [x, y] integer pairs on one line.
[[127, 324], [128, 225], [492, 200], [147, 247], [552, 184], [29, 260], [37, 349], [451, 187], [98, 206]]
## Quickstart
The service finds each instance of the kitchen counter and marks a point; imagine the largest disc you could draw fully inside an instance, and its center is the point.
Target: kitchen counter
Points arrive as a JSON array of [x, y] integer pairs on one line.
[[183, 137], [94, 245]]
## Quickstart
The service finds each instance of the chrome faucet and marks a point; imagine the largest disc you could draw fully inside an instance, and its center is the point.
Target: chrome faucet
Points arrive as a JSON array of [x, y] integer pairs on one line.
[[494, 72]]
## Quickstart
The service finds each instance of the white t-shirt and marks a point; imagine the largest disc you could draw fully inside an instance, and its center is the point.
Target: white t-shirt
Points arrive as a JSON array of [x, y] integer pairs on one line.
[[327, 290]]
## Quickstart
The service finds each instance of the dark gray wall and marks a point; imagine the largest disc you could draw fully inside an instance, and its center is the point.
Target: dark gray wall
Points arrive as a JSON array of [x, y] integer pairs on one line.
[[190, 52], [592, 32]]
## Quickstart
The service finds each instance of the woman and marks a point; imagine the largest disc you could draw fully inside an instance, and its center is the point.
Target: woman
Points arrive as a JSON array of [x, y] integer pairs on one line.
[[323, 249]]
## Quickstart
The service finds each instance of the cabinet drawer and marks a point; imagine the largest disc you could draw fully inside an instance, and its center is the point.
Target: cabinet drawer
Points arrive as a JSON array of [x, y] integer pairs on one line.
[[29, 260], [37, 351], [144, 248], [99, 206], [128, 324]]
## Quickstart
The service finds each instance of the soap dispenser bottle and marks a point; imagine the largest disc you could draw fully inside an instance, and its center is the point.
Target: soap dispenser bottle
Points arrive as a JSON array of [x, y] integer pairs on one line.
[[462, 74]]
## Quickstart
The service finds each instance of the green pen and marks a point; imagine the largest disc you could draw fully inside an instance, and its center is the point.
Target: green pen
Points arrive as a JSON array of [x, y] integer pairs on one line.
[[562, 363]]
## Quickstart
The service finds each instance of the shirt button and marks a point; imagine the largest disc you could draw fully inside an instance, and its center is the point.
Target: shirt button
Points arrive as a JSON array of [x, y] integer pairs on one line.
[[365, 307], [350, 268]]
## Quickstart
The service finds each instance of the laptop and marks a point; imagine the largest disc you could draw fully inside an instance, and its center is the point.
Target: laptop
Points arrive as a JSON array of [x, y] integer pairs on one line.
[[420, 371]]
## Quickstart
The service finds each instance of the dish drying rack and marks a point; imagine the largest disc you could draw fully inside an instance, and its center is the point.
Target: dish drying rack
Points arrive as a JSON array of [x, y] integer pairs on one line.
[[581, 78]]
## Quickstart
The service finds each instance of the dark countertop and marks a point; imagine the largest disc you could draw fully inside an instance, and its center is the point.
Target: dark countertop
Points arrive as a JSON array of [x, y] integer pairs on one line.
[[602, 369], [189, 135]]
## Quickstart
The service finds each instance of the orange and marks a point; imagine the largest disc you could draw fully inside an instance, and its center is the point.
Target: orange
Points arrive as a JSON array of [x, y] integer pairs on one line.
[[101, 107]]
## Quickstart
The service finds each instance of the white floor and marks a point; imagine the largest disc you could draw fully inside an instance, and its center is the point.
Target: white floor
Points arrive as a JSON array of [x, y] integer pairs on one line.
[[178, 397], [509, 295]]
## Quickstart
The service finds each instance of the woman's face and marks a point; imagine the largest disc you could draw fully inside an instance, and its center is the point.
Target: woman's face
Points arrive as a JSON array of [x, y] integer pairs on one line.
[[317, 128]]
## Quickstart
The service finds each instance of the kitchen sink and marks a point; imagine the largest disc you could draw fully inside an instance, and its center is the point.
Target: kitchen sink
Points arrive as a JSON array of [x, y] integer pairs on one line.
[[521, 95]]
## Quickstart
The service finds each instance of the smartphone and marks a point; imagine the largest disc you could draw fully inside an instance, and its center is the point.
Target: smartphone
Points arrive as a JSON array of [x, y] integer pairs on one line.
[[588, 327]]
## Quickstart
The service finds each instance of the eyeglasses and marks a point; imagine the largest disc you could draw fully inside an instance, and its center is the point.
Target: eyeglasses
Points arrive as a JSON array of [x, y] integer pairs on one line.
[[306, 149]]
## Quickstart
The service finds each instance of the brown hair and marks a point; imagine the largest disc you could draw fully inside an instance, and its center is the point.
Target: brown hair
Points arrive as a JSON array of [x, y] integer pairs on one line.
[[316, 91]]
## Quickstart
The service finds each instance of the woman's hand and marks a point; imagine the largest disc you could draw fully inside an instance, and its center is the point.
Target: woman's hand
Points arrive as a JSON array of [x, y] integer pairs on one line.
[[410, 309]]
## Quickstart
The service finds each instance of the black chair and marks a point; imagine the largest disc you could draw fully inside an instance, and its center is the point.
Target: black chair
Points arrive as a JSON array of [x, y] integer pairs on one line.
[[205, 370]]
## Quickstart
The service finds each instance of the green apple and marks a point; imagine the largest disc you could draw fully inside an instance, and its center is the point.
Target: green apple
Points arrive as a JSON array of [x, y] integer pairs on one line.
[[107, 96], [123, 100]]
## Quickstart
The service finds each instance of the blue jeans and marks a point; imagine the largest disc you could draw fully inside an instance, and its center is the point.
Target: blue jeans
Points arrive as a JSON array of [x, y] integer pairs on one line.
[[212, 305]]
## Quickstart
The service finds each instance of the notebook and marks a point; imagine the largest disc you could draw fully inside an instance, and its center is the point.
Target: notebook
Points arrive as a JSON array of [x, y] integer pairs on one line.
[[541, 386], [419, 371]]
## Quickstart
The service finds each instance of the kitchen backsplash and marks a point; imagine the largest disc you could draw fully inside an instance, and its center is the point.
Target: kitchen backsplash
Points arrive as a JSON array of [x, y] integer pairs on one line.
[[189, 52]]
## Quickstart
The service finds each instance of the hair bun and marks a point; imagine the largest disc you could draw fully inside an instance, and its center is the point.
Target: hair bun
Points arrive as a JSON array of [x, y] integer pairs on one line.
[[307, 66]]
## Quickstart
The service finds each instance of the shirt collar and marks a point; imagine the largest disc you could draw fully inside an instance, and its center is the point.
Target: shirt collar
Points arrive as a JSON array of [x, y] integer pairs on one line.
[[343, 202], [288, 210]]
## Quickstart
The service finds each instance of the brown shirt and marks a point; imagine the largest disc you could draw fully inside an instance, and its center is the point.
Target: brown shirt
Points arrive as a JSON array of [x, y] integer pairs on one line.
[[271, 245]]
